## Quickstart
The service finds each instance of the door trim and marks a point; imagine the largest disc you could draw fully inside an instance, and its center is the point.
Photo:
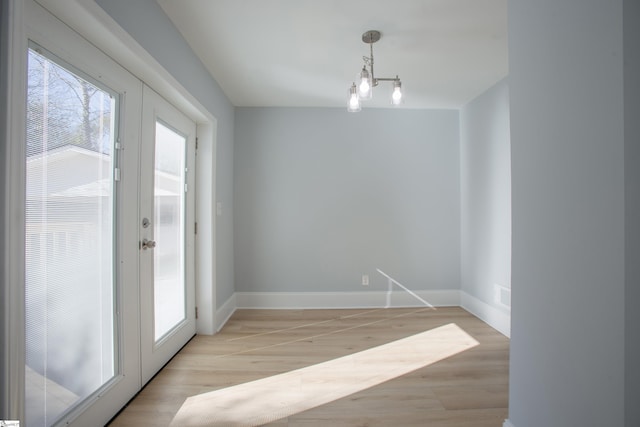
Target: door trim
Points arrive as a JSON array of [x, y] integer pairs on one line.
[[91, 21], [12, 244]]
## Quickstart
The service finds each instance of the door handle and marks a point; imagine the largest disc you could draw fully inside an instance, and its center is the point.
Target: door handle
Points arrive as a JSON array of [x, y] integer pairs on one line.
[[147, 244]]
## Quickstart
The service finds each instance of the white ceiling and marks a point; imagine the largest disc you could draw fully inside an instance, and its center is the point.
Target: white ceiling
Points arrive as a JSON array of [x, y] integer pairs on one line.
[[294, 53]]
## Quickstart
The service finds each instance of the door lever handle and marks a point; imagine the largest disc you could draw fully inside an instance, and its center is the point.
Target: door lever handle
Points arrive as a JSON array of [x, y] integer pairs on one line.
[[147, 244]]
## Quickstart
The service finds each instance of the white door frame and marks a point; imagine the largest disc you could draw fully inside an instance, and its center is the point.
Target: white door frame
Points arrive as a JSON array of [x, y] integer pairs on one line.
[[95, 25], [44, 29]]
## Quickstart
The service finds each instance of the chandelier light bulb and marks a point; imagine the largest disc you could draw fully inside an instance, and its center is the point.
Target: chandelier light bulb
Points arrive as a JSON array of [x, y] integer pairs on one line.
[[353, 105], [396, 95], [354, 102], [364, 87]]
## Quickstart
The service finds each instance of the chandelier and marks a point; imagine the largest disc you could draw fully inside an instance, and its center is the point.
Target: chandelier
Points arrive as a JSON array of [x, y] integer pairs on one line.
[[367, 80]]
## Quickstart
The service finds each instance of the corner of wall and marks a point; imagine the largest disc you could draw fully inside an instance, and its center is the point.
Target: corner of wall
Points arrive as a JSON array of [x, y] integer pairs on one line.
[[224, 313], [497, 319], [485, 204]]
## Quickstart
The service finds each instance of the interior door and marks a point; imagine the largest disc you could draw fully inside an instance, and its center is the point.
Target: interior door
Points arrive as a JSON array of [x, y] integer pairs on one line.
[[81, 321], [167, 221]]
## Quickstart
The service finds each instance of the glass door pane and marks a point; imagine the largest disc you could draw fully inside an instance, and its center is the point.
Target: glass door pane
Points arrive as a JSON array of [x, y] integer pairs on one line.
[[169, 207], [70, 309], [167, 229]]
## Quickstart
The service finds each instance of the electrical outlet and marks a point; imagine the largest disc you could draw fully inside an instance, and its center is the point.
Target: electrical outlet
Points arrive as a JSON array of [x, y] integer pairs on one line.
[[365, 280]]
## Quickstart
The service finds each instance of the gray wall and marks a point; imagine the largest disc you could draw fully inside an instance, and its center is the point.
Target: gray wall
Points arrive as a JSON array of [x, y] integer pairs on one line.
[[568, 278], [485, 182], [323, 196], [147, 23], [632, 205]]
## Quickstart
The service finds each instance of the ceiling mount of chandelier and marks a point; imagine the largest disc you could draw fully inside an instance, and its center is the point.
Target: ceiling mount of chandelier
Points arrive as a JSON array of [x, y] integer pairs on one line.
[[366, 79]]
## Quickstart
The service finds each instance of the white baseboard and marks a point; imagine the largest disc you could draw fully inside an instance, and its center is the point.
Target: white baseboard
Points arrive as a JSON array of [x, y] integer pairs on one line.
[[494, 317], [364, 299], [507, 423], [309, 300], [225, 312]]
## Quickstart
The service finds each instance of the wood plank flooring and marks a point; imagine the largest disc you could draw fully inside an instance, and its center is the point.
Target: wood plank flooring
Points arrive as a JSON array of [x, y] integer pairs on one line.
[[468, 389]]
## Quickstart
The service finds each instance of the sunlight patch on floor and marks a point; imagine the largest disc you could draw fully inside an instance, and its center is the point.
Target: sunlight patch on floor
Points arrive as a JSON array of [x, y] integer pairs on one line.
[[259, 402]]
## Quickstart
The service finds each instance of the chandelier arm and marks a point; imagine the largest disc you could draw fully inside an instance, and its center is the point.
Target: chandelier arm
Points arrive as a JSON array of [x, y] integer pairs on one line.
[[374, 81]]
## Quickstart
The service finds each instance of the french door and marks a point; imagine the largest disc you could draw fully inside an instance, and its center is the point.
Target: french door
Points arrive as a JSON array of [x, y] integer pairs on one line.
[[82, 337], [109, 229], [167, 220]]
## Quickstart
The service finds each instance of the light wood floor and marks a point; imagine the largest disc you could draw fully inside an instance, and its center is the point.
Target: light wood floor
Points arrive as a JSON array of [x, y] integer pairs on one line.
[[469, 389]]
